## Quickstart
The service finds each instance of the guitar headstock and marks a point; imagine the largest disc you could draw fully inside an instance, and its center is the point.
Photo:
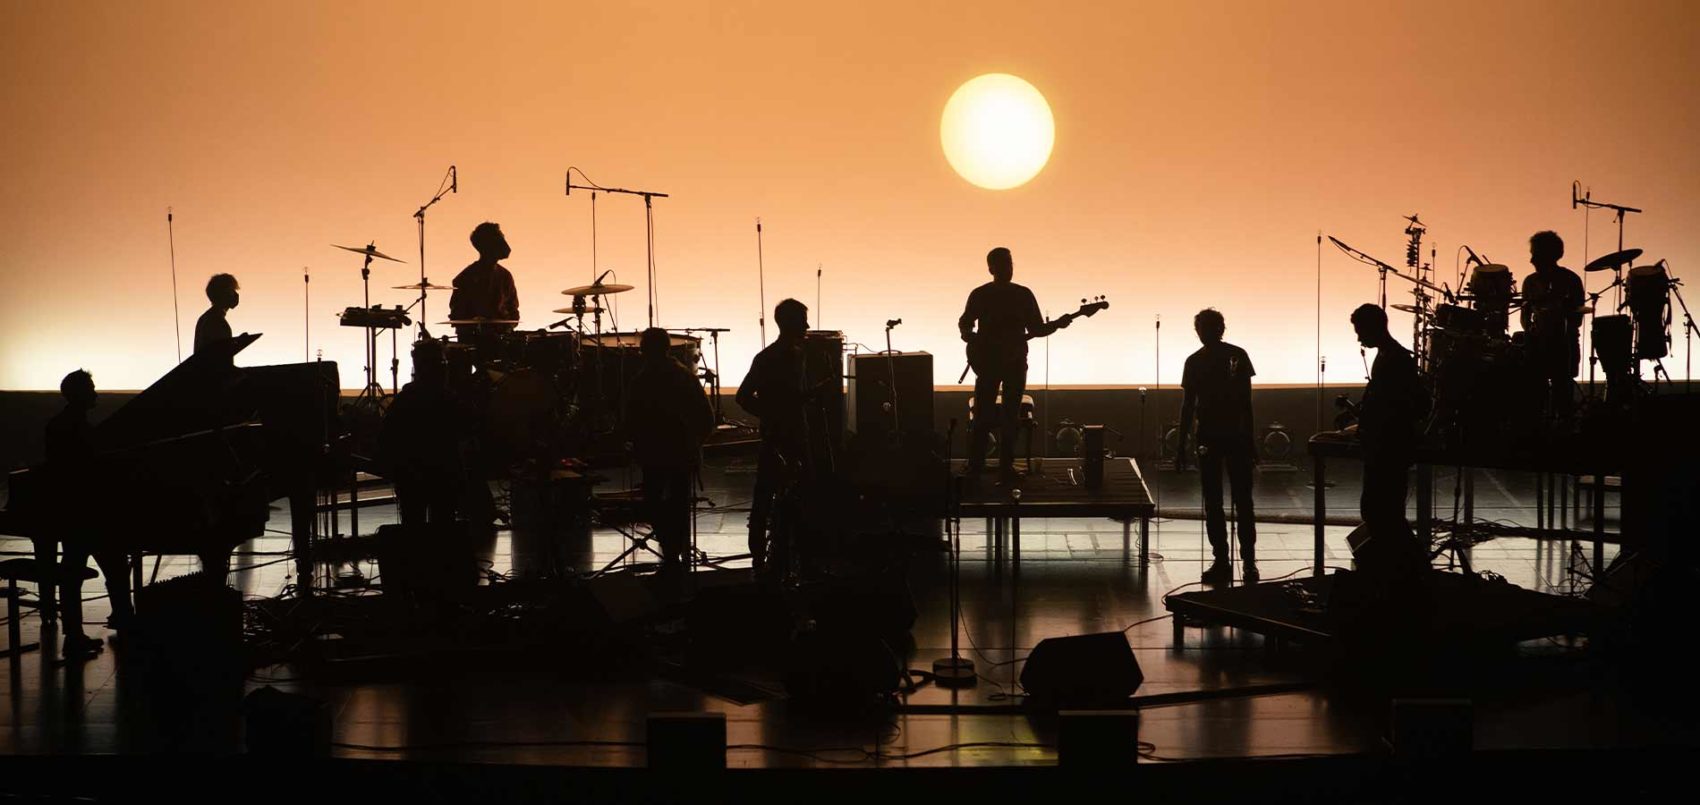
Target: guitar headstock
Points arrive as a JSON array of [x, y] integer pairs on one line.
[[1092, 306]]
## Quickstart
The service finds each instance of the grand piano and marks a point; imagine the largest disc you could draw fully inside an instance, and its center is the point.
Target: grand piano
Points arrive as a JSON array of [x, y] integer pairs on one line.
[[190, 465]]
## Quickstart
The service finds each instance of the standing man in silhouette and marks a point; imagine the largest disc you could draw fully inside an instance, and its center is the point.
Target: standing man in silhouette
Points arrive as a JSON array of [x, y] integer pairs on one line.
[[420, 442], [1552, 318], [70, 471], [996, 323], [485, 289], [775, 391], [1216, 386], [1392, 409], [212, 329], [667, 418]]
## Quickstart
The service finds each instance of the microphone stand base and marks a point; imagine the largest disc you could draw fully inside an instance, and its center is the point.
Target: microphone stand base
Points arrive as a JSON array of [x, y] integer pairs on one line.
[[954, 672]]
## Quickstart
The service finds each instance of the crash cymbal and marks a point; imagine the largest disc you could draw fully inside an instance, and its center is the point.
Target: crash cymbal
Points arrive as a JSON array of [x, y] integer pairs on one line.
[[1612, 261], [422, 287], [587, 310], [476, 321], [597, 289], [369, 249], [1585, 310], [1410, 309]]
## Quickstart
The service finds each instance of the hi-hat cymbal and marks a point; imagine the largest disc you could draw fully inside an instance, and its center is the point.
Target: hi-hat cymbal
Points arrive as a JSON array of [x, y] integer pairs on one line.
[[1410, 309], [596, 289], [417, 286], [476, 321], [369, 250], [587, 309], [1612, 261]]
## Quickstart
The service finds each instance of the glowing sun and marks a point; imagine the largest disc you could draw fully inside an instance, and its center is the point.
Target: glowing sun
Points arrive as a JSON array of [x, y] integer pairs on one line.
[[997, 131]]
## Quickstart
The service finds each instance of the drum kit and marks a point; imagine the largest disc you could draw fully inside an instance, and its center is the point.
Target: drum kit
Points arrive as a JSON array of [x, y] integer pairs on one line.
[[540, 387]]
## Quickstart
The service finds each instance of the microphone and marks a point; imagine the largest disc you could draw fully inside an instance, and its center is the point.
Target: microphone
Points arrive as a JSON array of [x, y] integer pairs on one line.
[[603, 277], [890, 323], [454, 180], [569, 181], [1573, 195], [1472, 253]]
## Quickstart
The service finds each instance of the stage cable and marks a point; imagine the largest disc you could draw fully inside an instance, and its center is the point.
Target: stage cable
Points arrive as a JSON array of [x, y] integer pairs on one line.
[[176, 318]]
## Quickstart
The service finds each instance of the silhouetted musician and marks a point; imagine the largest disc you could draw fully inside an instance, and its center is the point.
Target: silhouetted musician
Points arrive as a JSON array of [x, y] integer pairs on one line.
[[1552, 319], [1216, 388], [1389, 416], [667, 419], [999, 318], [485, 289], [212, 329], [776, 392], [70, 471]]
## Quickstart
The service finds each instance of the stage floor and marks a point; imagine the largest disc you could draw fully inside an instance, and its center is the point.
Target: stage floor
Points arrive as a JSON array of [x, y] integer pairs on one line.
[[1074, 579]]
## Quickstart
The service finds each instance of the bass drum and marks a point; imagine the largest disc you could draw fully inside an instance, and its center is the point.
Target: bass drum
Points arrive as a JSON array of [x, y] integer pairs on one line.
[[521, 415], [609, 362]]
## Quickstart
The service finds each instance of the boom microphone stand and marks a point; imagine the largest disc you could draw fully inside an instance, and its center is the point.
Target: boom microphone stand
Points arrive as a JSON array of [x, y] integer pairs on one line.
[[649, 197], [453, 182]]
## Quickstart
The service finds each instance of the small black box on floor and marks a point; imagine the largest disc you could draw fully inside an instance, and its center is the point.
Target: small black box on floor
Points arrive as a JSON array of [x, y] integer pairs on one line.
[[1432, 729], [1092, 456], [195, 612], [1097, 739], [687, 741], [1092, 670], [287, 724]]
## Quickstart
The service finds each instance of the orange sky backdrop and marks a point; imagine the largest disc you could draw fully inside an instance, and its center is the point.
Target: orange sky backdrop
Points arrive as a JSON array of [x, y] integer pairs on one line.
[[1199, 149]]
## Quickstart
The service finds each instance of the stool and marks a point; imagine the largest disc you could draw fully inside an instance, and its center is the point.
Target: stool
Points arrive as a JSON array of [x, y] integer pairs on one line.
[[16, 570], [1028, 422]]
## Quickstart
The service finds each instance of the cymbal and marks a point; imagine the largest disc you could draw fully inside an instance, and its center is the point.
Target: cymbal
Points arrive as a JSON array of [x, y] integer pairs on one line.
[[422, 287], [596, 289], [587, 309], [1410, 309], [1585, 310], [369, 250], [1612, 261], [475, 321]]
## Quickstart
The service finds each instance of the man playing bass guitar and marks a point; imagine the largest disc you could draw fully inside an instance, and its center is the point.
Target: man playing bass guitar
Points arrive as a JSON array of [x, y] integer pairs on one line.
[[996, 324]]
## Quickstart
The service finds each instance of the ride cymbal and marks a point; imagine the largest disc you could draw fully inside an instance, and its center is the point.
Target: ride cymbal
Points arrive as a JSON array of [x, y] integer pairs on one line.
[[596, 289], [1610, 262]]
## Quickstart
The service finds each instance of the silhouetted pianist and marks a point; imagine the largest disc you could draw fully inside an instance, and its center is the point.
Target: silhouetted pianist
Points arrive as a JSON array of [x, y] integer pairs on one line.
[[212, 329]]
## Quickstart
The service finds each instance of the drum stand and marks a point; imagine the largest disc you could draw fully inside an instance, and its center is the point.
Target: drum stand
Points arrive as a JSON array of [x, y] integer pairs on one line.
[[373, 393], [1622, 212]]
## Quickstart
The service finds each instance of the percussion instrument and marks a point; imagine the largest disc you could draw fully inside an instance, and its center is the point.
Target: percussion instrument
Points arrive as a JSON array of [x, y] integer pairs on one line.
[[1613, 261], [1613, 339], [1648, 300], [1490, 287], [1411, 309], [609, 362], [1458, 319], [551, 353], [376, 316], [589, 310], [521, 412], [597, 289], [478, 321], [422, 286], [370, 251]]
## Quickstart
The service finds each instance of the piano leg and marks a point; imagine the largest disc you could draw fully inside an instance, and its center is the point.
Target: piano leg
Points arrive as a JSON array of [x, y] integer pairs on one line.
[[303, 512]]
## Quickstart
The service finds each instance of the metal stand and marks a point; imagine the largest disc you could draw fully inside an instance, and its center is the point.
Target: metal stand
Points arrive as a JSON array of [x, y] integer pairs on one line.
[[649, 197], [955, 671], [453, 187]]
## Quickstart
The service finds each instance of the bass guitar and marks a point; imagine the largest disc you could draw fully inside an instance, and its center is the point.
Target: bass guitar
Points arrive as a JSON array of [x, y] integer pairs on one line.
[[976, 347]]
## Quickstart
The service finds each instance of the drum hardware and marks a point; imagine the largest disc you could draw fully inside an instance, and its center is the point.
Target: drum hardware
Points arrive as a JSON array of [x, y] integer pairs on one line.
[[479, 321], [597, 289], [449, 184], [649, 197], [1613, 261], [373, 392], [422, 286], [712, 376], [578, 311], [1648, 301], [1616, 260], [376, 316]]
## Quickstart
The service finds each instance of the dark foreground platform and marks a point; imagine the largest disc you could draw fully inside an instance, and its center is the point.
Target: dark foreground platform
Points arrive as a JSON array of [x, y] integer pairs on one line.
[[1465, 609]]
